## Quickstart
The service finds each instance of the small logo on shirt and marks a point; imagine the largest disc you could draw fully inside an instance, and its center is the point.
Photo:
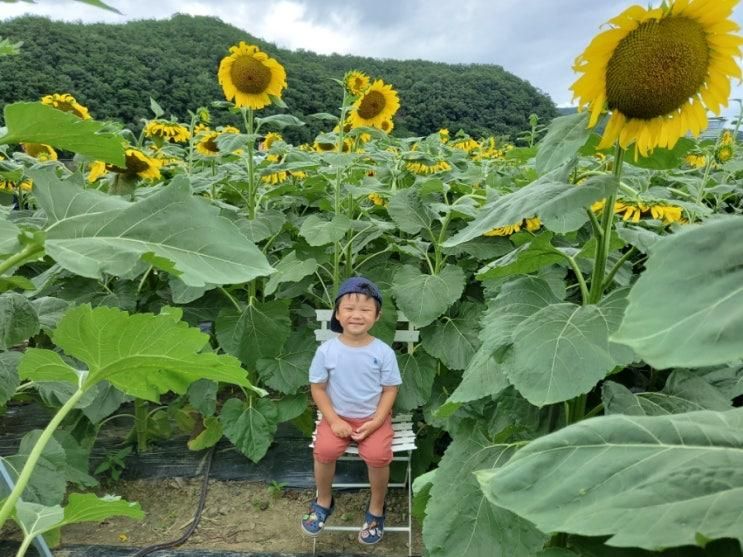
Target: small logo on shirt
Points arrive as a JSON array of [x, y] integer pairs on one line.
[[376, 362]]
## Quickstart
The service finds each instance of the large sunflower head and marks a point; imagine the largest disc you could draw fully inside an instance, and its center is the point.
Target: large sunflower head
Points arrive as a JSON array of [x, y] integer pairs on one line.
[[270, 139], [659, 70], [356, 82], [40, 151], [167, 131], [378, 103], [249, 76], [66, 103]]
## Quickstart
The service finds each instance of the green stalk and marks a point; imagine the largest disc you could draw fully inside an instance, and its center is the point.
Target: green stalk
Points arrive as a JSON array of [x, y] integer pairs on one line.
[[190, 143], [33, 458], [337, 248], [26, 252], [629, 253], [140, 424], [603, 242], [27, 540]]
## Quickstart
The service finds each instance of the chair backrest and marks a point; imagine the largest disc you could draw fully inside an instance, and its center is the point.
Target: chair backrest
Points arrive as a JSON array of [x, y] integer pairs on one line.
[[408, 335]]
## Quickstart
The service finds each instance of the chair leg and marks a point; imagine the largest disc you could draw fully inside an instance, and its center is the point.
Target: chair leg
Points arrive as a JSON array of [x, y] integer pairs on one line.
[[314, 546], [409, 481]]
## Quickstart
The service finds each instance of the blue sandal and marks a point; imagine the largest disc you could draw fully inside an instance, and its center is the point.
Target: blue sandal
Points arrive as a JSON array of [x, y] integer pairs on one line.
[[373, 529], [313, 522]]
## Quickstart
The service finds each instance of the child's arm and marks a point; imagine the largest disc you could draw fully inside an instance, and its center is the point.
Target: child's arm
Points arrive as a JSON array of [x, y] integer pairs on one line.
[[386, 402], [340, 427]]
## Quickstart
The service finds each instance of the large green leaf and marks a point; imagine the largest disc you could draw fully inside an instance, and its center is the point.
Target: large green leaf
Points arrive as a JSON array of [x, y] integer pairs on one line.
[[250, 426], [259, 331], [482, 377], [565, 136], [171, 229], [460, 521], [288, 371], [423, 297], [48, 480], [560, 352], [209, 436], [560, 206], [662, 158], [290, 269], [527, 258], [263, 226], [37, 123], [318, 231], [50, 311], [409, 212], [143, 355], [649, 482], [35, 519], [418, 371], [9, 238], [454, 338], [18, 319], [686, 309], [9, 379], [683, 392]]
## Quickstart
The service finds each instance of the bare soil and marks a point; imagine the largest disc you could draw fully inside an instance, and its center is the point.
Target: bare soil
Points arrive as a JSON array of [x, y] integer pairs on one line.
[[241, 516]]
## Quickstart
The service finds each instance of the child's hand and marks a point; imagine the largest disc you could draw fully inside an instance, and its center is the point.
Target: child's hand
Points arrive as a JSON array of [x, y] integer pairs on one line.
[[341, 428], [365, 430]]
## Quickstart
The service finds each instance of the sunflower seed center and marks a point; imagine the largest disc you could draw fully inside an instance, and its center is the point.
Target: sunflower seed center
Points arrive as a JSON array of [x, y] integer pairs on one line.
[[250, 75], [371, 105]]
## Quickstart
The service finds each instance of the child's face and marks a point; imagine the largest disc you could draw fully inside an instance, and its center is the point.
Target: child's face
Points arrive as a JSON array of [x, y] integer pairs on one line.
[[356, 314]]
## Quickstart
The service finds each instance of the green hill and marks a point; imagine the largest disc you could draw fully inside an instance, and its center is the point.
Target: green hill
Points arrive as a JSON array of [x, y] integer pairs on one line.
[[114, 69]]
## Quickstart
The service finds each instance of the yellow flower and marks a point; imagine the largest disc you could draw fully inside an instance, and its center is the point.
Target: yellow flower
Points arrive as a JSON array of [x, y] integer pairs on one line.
[[280, 176], [270, 139], [322, 147], [724, 153], [167, 131], [667, 213], [356, 82], [40, 151], [533, 224], [386, 126], [727, 138], [443, 135], [421, 167], [659, 71], [66, 103], [96, 170], [466, 144], [632, 211], [376, 199], [504, 230], [207, 144], [249, 76], [378, 103], [696, 161], [138, 164], [8, 185]]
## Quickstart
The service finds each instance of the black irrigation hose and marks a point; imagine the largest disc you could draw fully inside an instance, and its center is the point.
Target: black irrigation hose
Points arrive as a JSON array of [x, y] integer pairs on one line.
[[196, 517]]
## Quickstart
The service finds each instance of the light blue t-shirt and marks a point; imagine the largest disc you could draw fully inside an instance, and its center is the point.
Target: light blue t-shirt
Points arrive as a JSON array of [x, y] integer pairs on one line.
[[355, 375]]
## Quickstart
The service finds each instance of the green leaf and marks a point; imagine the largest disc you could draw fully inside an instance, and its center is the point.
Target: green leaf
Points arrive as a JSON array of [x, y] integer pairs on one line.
[[565, 136], [50, 311], [37, 123], [290, 407], [202, 395], [686, 309], [612, 307], [156, 109], [559, 352], [318, 231], [250, 426], [482, 377], [290, 269], [454, 338], [143, 355], [659, 481], [9, 379], [209, 437], [259, 331], [36, 519], [409, 212], [105, 400], [418, 371], [89, 238], [422, 493], [15, 283], [662, 158], [560, 206], [460, 521], [18, 319], [181, 293], [9, 244], [280, 121], [47, 483], [423, 297], [263, 226], [640, 238], [288, 371], [525, 259]]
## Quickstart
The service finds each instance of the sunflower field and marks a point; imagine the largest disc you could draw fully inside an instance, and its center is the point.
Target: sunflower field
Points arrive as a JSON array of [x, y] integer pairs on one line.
[[579, 292]]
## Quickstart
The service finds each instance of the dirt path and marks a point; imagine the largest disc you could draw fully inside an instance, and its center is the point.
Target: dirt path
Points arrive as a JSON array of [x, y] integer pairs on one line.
[[240, 516]]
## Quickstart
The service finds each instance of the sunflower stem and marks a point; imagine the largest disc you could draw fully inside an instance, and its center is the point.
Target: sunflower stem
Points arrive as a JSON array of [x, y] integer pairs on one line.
[[618, 265], [603, 242], [18, 258]]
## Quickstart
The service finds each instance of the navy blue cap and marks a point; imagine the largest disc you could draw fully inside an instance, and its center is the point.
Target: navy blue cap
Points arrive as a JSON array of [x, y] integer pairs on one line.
[[354, 285]]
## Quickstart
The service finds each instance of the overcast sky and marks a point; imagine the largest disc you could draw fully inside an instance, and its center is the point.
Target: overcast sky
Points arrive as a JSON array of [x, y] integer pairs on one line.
[[536, 40]]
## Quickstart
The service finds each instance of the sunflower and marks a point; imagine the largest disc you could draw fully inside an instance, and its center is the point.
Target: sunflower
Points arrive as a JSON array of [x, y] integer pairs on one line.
[[324, 147], [724, 153], [726, 138], [659, 71], [280, 176], [96, 170], [631, 211], [66, 103], [207, 144], [249, 76], [10, 186], [386, 126], [270, 139], [376, 199], [166, 131], [695, 161], [531, 224], [465, 144], [40, 151], [138, 164], [378, 103], [444, 135], [422, 168], [356, 82]]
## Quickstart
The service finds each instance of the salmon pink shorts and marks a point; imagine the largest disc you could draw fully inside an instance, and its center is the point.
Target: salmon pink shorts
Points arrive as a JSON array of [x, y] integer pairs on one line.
[[375, 450]]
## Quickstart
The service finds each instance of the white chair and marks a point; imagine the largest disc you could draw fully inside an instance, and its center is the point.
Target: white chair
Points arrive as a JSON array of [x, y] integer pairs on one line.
[[403, 441]]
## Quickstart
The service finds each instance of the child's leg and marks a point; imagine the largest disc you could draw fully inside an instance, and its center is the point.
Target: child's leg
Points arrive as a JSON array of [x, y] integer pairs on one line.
[[376, 450], [379, 478], [324, 472]]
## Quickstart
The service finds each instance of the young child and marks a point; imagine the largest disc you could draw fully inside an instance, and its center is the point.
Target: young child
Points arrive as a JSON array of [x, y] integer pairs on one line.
[[353, 380]]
